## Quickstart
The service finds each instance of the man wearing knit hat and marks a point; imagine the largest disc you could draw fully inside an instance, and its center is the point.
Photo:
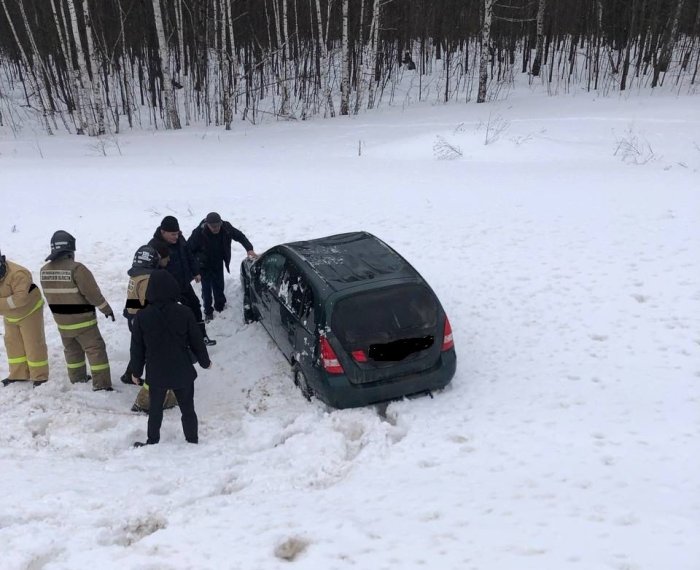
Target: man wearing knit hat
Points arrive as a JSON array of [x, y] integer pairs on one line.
[[182, 265], [210, 243]]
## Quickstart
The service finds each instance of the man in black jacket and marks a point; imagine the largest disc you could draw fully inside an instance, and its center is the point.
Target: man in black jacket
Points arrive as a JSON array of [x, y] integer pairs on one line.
[[183, 266], [210, 243], [165, 339]]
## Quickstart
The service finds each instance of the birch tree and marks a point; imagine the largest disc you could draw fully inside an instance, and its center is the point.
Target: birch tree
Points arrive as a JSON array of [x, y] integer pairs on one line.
[[172, 120], [484, 49], [96, 75], [74, 89], [325, 72], [88, 121], [372, 56], [537, 63], [345, 65]]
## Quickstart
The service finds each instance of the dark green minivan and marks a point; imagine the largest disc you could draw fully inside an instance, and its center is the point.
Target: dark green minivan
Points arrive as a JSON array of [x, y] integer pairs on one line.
[[356, 321]]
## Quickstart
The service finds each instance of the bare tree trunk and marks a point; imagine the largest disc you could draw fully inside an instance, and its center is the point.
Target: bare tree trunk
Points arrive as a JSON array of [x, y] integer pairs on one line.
[[229, 54], [667, 44], [88, 116], [485, 45], [372, 56], [127, 70], [96, 75], [31, 77], [74, 107], [325, 72], [172, 118], [286, 57], [537, 64], [39, 65], [345, 63], [631, 36]]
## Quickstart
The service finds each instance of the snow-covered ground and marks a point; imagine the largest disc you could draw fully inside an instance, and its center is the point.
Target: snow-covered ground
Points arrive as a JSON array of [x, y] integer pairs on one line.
[[569, 437]]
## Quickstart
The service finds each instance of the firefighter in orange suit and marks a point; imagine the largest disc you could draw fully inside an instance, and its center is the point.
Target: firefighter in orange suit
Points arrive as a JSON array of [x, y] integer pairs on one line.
[[73, 295], [22, 309]]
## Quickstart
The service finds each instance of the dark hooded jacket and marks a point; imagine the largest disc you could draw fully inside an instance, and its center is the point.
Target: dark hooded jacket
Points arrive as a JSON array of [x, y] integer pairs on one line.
[[182, 265], [210, 250], [165, 336]]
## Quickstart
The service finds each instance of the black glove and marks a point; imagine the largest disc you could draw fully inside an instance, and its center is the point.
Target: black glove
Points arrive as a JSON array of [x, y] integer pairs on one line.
[[110, 315]]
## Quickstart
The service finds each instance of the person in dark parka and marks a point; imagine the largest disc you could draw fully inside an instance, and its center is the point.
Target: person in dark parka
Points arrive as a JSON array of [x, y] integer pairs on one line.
[[182, 265], [164, 338], [210, 243]]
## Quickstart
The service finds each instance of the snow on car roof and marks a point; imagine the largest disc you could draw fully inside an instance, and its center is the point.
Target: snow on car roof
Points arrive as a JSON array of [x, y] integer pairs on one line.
[[347, 259]]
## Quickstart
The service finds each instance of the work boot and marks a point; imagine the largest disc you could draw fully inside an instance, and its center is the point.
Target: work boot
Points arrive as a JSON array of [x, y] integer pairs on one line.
[[141, 444], [105, 389], [208, 317], [139, 409], [38, 383], [208, 341], [7, 381]]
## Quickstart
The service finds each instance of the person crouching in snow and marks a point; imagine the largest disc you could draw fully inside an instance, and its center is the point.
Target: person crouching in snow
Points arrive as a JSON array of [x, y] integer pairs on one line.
[[165, 338], [146, 261]]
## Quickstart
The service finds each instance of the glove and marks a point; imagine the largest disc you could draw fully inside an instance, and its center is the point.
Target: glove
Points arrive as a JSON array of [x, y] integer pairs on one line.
[[110, 315]]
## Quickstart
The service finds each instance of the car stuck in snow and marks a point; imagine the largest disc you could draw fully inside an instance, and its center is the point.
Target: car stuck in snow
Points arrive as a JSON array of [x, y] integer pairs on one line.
[[357, 323]]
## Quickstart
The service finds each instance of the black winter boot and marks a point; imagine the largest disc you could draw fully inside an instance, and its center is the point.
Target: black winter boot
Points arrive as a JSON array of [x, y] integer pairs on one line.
[[7, 381]]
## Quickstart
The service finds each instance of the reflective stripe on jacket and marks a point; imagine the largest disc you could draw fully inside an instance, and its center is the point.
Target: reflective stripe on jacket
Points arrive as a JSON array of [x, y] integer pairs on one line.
[[19, 297], [72, 294]]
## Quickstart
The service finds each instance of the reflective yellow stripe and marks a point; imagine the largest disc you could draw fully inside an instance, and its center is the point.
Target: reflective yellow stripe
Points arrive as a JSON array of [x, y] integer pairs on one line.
[[98, 367], [76, 326], [18, 360], [36, 307], [75, 364], [145, 386], [38, 363]]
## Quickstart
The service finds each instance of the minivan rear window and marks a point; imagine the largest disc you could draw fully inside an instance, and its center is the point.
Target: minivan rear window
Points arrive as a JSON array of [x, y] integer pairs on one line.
[[384, 315]]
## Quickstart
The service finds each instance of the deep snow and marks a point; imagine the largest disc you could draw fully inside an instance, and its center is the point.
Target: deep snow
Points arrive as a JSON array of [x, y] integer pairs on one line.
[[568, 438]]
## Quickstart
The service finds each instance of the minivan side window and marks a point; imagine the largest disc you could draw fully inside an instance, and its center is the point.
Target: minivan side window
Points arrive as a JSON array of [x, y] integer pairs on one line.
[[296, 293], [270, 271]]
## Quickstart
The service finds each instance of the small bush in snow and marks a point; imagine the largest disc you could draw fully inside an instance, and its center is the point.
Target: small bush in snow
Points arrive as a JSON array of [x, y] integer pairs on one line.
[[633, 148], [494, 127], [444, 150]]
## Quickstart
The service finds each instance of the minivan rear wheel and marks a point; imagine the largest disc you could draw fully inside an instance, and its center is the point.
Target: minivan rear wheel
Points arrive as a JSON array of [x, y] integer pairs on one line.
[[301, 382]]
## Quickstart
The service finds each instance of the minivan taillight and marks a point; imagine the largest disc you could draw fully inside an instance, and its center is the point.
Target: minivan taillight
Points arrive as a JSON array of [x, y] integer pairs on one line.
[[447, 342], [329, 359]]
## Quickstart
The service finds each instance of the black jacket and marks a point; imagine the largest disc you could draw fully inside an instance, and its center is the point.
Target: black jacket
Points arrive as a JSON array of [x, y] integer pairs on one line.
[[212, 249], [164, 337], [182, 265]]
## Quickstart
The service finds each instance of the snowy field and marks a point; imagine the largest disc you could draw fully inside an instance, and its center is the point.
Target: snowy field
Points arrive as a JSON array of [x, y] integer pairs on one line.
[[565, 253]]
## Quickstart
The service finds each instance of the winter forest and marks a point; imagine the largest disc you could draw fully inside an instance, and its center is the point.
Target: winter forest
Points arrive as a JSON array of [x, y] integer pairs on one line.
[[100, 66]]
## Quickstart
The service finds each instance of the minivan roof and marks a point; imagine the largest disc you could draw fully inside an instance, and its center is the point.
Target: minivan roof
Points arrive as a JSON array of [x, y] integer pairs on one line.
[[347, 260]]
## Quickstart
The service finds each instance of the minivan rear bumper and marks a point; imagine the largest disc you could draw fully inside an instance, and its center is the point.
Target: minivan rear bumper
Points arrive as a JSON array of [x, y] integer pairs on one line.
[[337, 391]]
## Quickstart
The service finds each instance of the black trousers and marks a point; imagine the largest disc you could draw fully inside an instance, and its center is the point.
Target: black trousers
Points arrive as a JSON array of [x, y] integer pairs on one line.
[[185, 399], [213, 282], [189, 299]]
